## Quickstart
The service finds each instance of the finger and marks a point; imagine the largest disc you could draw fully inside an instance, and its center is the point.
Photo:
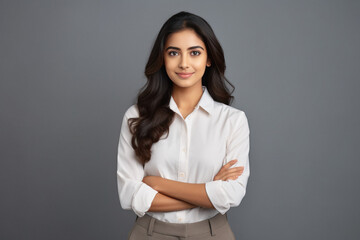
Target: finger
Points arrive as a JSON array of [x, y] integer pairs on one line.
[[232, 161], [234, 173], [240, 169], [234, 170], [224, 169], [224, 173], [229, 164], [233, 176], [226, 166]]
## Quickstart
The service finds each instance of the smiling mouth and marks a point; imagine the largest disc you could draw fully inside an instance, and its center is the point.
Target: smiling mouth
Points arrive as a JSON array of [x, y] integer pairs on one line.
[[184, 75]]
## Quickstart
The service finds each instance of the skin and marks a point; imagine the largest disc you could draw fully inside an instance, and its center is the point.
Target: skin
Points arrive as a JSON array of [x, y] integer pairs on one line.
[[185, 52], [175, 195], [186, 92]]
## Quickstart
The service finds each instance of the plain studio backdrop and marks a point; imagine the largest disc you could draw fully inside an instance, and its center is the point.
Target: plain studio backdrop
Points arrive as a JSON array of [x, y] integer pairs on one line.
[[70, 69]]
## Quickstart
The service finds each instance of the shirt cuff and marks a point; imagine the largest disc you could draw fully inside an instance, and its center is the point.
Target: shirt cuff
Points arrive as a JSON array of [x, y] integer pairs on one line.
[[142, 199], [217, 196]]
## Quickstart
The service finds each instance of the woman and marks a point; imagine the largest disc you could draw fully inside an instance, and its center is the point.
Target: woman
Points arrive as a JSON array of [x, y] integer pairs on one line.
[[183, 151]]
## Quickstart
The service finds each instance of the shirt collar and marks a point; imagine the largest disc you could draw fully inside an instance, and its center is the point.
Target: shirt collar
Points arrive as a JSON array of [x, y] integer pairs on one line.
[[206, 102]]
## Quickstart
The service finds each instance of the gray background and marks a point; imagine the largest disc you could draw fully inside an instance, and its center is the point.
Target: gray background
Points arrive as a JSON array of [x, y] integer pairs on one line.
[[70, 69]]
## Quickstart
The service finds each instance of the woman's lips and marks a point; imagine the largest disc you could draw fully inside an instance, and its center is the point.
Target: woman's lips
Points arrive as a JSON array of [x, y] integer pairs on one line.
[[184, 75]]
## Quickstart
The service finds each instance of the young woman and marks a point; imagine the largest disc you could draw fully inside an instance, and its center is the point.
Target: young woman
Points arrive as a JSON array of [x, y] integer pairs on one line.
[[183, 153]]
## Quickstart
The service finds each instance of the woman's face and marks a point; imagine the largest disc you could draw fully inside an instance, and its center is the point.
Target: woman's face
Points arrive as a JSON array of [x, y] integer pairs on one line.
[[185, 52]]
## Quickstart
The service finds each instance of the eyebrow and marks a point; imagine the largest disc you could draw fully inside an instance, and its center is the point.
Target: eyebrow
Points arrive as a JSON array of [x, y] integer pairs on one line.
[[176, 48]]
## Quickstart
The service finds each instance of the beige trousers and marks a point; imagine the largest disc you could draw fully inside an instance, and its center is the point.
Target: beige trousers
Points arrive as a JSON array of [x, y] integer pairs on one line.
[[149, 228]]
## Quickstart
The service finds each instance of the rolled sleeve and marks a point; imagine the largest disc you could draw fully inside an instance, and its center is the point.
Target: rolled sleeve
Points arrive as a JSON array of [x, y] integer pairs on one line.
[[226, 194], [133, 193]]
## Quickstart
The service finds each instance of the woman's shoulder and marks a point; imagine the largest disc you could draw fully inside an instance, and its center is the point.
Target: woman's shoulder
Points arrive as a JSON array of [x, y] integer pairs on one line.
[[231, 112], [235, 117], [132, 111]]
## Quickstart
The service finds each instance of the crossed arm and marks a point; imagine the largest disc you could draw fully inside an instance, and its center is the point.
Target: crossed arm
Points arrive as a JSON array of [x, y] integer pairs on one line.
[[174, 195]]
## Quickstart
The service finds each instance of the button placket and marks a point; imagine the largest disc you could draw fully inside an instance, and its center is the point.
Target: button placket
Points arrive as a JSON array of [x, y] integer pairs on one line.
[[183, 155], [188, 137], [182, 162]]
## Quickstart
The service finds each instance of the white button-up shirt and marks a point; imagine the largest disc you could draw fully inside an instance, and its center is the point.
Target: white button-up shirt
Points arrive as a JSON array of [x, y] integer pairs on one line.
[[193, 152]]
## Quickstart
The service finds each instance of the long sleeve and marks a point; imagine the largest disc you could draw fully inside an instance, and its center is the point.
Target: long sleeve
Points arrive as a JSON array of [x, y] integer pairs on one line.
[[133, 193], [226, 194]]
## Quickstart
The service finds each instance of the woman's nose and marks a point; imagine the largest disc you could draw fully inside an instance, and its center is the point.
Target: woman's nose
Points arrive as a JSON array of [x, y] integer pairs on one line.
[[183, 62]]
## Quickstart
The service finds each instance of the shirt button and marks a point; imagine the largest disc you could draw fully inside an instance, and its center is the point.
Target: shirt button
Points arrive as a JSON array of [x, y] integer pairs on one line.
[[182, 174], [180, 219], [184, 149]]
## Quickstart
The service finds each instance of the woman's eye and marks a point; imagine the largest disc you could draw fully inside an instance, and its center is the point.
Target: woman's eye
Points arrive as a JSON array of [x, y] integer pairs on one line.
[[171, 53], [198, 53], [194, 53]]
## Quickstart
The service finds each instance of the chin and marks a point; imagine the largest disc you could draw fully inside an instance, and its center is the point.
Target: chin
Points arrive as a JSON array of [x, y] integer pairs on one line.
[[184, 84]]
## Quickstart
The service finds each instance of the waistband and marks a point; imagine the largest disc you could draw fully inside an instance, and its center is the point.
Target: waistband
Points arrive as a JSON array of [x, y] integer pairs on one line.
[[182, 229]]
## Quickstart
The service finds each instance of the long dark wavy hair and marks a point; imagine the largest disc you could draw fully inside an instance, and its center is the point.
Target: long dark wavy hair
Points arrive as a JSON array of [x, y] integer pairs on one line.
[[155, 116]]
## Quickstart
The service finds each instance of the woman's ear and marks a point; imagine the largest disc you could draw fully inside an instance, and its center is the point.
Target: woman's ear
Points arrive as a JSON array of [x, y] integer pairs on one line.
[[208, 63]]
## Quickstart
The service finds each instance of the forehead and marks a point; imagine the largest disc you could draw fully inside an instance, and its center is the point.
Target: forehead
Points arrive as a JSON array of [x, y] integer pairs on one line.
[[184, 38]]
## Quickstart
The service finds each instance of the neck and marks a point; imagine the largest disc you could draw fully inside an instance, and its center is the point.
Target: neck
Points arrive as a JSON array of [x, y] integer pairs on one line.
[[187, 98]]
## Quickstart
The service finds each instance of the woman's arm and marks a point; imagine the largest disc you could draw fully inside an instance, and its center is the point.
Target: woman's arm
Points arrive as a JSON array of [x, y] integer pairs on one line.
[[177, 195], [164, 203], [193, 193]]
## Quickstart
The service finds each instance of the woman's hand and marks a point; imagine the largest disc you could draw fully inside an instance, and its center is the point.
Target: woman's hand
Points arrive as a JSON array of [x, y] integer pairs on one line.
[[227, 173]]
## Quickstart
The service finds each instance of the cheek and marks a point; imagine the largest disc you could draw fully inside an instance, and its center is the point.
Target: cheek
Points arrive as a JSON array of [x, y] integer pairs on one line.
[[169, 64], [200, 65]]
